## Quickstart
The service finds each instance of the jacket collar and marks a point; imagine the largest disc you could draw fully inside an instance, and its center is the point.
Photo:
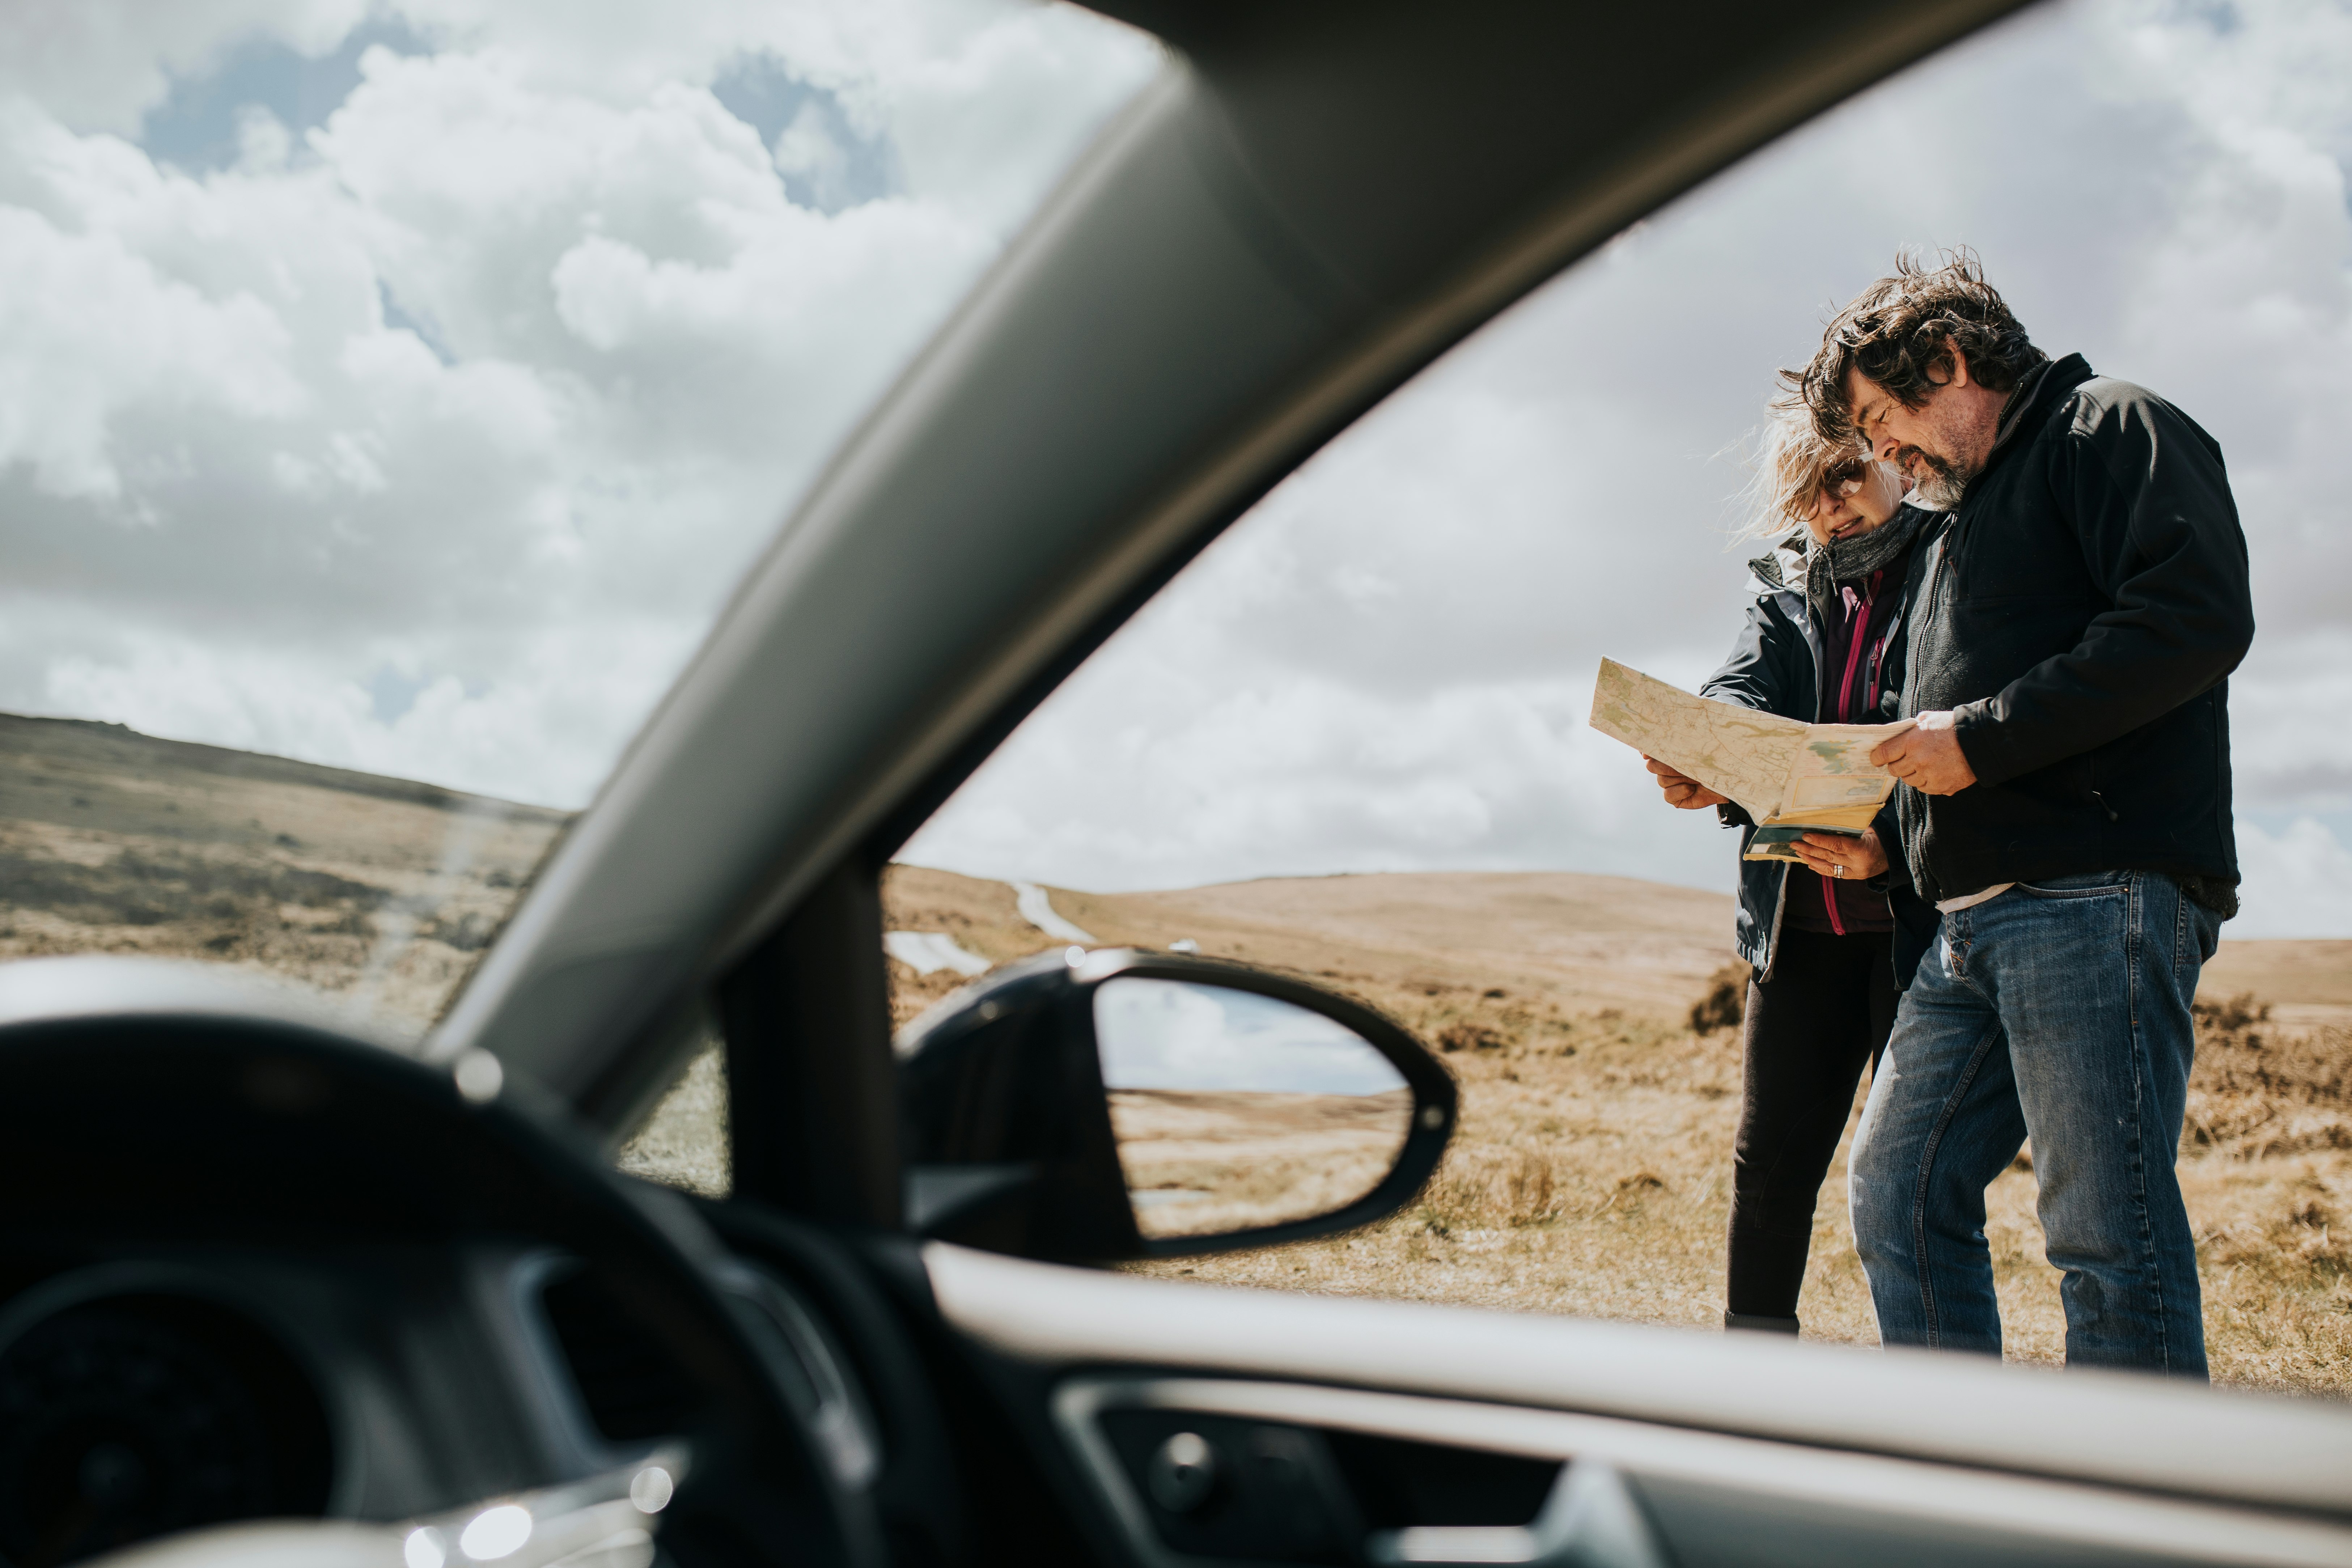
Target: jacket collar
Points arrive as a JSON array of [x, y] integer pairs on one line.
[[1783, 571], [2035, 396]]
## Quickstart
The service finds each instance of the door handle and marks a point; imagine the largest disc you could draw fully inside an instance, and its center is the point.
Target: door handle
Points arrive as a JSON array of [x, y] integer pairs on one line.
[[1591, 1520]]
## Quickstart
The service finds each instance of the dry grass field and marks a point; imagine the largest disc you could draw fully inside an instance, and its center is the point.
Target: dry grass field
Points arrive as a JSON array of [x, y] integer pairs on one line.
[[1585, 945], [1590, 1173], [1204, 1164], [378, 889], [1591, 1176]]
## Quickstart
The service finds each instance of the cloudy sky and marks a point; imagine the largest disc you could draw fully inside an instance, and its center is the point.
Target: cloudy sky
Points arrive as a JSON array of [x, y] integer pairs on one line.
[[403, 385], [1387, 664]]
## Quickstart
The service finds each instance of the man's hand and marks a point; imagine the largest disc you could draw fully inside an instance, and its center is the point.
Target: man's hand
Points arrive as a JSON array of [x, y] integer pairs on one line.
[[1682, 793], [1834, 855], [1927, 756]]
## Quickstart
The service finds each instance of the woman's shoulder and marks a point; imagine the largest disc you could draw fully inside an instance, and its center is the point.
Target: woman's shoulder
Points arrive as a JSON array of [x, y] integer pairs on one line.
[[1781, 570]]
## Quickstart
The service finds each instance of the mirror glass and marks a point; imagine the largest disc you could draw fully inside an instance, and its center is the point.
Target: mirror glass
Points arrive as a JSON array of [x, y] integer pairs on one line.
[[1234, 1110]]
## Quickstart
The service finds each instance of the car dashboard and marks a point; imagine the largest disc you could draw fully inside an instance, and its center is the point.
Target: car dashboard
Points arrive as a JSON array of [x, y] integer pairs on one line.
[[249, 1271], [157, 1387]]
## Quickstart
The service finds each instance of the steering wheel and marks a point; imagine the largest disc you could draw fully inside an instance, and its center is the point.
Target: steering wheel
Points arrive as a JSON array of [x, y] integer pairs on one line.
[[147, 1101]]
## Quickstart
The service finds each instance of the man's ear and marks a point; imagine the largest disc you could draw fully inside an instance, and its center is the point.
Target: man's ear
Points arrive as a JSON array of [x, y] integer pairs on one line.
[[1956, 366]]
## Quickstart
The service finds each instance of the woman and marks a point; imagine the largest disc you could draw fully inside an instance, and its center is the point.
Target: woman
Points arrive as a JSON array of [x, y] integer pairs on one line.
[[1824, 643]]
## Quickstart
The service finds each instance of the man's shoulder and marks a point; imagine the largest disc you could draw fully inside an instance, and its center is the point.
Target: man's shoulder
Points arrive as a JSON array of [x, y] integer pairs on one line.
[[2128, 431], [2108, 406], [2104, 392]]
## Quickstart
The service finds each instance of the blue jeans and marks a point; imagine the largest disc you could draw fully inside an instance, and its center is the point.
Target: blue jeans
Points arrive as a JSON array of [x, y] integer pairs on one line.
[[2058, 1010]]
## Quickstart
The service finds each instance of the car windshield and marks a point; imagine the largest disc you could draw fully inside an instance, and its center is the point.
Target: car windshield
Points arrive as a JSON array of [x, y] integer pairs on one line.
[[1355, 740], [389, 398]]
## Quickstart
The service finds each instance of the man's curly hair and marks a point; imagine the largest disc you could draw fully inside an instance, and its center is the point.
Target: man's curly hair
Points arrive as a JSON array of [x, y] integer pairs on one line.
[[1895, 334]]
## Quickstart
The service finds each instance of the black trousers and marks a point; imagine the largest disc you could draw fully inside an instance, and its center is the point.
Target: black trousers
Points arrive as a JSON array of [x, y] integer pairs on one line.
[[1809, 1032]]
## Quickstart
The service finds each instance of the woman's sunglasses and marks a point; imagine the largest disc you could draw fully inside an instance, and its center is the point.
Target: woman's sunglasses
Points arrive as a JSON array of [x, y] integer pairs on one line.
[[1844, 478]]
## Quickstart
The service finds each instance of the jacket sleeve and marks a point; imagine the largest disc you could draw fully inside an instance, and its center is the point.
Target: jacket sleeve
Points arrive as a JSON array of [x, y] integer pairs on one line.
[[1769, 662], [1890, 839], [2160, 535], [1767, 665]]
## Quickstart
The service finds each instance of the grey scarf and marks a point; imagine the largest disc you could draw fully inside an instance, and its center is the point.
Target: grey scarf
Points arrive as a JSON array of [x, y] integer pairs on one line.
[[1848, 559]]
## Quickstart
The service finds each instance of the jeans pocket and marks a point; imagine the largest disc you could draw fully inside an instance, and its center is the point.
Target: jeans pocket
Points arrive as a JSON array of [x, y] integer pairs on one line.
[[2099, 884], [2197, 936]]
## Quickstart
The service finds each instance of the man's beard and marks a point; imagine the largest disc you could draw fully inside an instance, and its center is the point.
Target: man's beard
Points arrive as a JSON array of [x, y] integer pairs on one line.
[[1944, 482]]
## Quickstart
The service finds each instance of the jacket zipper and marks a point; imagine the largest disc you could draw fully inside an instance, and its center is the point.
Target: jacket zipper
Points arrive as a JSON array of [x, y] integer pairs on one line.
[[1852, 661], [1878, 656], [1845, 708], [1804, 619], [1915, 843]]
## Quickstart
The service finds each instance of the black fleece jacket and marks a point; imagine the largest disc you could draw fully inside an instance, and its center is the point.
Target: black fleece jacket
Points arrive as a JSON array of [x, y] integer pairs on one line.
[[2081, 616]]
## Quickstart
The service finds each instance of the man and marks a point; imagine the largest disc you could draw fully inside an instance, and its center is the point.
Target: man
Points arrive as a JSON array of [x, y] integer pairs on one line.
[[2067, 812]]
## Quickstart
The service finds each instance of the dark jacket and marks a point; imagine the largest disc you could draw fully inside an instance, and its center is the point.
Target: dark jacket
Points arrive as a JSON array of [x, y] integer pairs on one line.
[[1776, 666], [2080, 616]]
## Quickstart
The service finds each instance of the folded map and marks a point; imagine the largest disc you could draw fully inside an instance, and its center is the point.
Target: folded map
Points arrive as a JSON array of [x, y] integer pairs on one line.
[[1791, 778]]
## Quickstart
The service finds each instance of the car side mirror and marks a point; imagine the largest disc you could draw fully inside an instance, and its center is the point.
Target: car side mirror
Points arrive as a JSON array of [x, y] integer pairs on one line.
[[1118, 1104]]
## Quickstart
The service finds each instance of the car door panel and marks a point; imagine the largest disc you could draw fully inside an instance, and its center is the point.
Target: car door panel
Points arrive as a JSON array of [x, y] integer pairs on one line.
[[1673, 1446]]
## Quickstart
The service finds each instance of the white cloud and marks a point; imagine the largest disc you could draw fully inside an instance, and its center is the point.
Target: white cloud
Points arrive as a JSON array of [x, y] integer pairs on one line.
[[487, 383], [93, 327], [2298, 881], [98, 64], [1255, 724], [2289, 747], [538, 728]]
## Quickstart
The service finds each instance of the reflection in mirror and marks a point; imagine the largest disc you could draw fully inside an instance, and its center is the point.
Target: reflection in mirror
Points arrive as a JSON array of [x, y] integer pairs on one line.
[[1234, 1111]]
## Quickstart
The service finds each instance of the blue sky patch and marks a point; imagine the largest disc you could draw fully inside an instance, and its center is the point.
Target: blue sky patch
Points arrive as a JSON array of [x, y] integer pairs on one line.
[[392, 692], [826, 164], [196, 127]]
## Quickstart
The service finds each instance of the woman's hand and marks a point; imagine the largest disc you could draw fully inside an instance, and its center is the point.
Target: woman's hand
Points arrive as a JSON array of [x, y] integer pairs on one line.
[[1851, 857], [1683, 792]]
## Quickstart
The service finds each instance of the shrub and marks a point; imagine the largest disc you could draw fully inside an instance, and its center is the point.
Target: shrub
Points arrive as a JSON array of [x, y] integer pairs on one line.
[[1725, 1002], [1468, 1037]]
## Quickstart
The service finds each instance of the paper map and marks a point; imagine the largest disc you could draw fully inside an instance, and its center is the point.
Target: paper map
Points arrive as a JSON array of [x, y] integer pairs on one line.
[[1786, 775]]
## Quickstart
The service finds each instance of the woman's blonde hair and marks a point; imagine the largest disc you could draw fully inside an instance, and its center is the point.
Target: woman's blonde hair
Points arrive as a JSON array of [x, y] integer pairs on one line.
[[1792, 460]]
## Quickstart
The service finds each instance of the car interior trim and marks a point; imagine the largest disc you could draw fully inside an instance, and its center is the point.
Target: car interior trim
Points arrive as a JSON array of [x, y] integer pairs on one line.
[[1782, 1474], [512, 1306], [2129, 1431], [604, 1520], [835, 1415], [99, 1282]]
